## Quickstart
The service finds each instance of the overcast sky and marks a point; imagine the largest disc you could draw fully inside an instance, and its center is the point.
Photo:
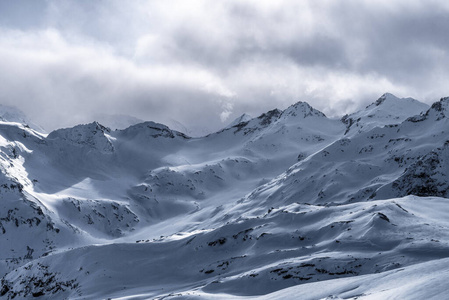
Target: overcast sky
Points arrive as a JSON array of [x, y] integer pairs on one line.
[[204, 63]]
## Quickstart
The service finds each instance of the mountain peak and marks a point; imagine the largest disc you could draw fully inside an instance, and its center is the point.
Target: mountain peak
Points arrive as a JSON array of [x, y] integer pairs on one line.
[[98, 126], [302, 109], [92, 127], [293, 114], [384, 97], [153, 129], [386, 110], [242, 119], [391, 99], [92, 134]]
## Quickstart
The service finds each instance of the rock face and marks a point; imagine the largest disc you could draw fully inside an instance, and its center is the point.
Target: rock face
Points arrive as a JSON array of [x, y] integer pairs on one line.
[[425, 177], [267, 205]]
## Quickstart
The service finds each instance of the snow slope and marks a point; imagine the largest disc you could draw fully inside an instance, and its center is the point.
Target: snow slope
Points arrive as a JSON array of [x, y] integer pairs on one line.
[[290, 204]]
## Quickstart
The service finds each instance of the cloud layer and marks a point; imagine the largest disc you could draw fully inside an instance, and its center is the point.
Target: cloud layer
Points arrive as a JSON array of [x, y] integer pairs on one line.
[[203, 63]]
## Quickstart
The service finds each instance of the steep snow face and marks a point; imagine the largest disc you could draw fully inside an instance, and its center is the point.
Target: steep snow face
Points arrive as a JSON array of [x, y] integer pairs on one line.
[[387, 110], [284, 199]]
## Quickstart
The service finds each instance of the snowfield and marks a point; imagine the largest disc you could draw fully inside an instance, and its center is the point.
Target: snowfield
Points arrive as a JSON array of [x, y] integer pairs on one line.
[[287, 205]]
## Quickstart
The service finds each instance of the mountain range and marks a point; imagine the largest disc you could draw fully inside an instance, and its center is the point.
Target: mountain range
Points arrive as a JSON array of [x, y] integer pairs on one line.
[[287, 205]]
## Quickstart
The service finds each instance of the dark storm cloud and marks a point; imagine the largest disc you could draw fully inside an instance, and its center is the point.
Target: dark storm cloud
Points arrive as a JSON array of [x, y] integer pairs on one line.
[[204, 63]]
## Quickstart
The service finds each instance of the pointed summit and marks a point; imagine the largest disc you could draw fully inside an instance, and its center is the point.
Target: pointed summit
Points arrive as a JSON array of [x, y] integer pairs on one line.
[[295, 115], [152, 129], [392, 100], [386, 110], [302, 109], [92, 135], [383, 98]]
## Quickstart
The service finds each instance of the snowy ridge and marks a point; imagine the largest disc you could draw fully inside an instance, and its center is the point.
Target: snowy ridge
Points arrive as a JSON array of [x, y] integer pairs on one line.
[[285, 205], [387, 110], [302, 109], [93, 135]]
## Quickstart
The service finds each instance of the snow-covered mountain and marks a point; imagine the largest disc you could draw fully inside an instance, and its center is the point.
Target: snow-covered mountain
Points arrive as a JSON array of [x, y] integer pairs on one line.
[[387, 110], [290, 204], [13, 114]]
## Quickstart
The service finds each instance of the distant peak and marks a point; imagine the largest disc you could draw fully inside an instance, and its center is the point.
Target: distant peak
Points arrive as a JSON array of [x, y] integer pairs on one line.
[[242, 119], [145, 126], [302, 109], [153, 129], [384, 97], [295, 112], [100, 127], [388, 95], [93, 135], [392, 99], [79, 130], [386, 110]]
